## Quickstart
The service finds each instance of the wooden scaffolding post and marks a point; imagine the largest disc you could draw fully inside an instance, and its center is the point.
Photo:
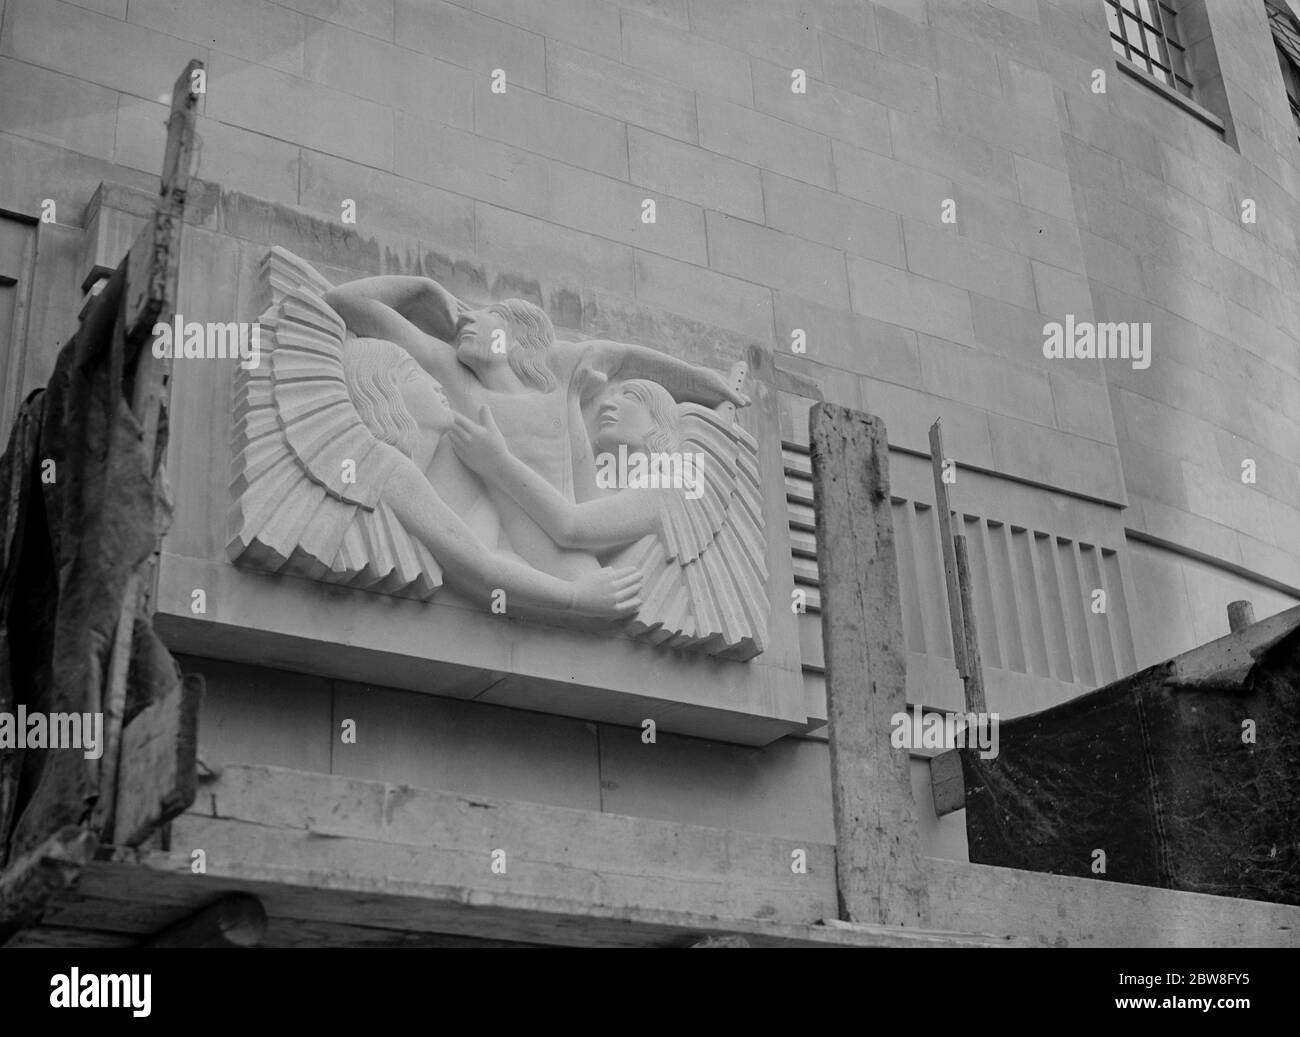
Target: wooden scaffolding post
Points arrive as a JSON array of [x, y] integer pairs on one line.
[[956, 567], [877, 843], [1241, 614], [947, 780], [151, 277], [946, 545]]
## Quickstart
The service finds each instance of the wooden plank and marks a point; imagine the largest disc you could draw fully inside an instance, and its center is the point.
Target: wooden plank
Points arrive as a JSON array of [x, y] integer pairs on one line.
[[289, 891], [406, 890], [32, 879], [154, 260], [54, 936], [947, 782], [343, 862], [1226, 661], [714, 942], [944, 510], [235, 920], [973, 679], [152, 269], [128, 924], [1057, 911], [878, 850], [556, 851], [1012, 908], [294, 932], [159, 757], [75, 910]]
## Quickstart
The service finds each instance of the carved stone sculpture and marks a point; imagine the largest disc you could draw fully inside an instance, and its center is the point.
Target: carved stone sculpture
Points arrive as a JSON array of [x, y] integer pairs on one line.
[[393, 437]]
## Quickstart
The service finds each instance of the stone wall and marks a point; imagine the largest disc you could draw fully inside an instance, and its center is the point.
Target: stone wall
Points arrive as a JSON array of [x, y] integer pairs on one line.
[[776, 211]]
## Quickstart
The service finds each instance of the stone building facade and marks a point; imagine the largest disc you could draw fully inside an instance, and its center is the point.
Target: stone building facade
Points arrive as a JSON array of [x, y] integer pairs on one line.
[[884, 205]]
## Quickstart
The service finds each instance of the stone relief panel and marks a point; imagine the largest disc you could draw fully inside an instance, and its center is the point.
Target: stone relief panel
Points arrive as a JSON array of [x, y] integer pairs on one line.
[[394, 438]]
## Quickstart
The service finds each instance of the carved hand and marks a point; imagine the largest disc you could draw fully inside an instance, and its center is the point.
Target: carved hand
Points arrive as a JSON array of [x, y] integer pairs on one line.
[[715, 382], [587, 381], [479, 446], [608, 593]]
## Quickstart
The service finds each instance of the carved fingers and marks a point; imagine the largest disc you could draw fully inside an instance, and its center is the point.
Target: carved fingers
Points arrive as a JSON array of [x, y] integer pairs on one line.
[[611, 592], [589, 381], [478, 445], [718, 383]]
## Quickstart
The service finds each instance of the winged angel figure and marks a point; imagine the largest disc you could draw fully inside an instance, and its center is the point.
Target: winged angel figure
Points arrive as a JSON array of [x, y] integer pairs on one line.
[[700, 555], [321, 443], [332, 438]]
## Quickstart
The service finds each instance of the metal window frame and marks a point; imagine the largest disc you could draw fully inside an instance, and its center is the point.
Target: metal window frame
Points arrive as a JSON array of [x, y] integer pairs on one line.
[[1169, 65]]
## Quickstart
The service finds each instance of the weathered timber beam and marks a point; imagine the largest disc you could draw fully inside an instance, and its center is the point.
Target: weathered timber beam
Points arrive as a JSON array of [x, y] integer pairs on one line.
[[723, 941], [1062, 911], [30, 881], [152, 271], [1241, 614], [1226, 662], [877, 842], [509, 912], [236, 920], [948, 548], [333, 851], [947, 782], [159, 763]]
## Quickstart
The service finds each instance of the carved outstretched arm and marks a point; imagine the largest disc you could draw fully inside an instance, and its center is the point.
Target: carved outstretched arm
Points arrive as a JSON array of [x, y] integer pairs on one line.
[[607, 593], [421, 300], [417, 313], [688, 383], [595, 525]]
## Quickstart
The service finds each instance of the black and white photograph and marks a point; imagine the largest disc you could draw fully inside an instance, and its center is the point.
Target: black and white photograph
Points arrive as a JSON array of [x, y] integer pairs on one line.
[[614, 474]]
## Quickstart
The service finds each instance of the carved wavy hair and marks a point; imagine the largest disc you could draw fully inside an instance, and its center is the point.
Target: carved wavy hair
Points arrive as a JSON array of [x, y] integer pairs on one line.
[[533, 336], [373, 369], [666, 433]]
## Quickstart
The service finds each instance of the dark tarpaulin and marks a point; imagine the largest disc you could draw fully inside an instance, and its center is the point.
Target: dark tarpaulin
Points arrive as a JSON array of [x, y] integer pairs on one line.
[[1153, 770], [67, 548]]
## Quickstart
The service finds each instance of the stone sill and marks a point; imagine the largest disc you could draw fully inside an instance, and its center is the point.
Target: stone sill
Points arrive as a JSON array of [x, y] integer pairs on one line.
[[1169, 93]]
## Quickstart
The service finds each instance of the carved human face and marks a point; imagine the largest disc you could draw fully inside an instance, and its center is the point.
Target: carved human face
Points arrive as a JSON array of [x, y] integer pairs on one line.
[[623, 419], [480, 331], [426, 400]]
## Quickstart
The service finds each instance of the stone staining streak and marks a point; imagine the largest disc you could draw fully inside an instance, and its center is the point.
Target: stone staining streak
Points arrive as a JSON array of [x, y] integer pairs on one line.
[[394, 438]]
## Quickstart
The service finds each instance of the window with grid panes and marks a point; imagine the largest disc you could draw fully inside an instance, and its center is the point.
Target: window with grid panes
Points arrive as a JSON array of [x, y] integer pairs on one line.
[[1286, 38], [1145, 32]]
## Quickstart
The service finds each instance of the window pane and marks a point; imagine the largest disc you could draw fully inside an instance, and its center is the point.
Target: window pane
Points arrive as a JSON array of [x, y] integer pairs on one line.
[[1162, 75], [1117, 45], [1130, 5], [1133, 31], [1112, 19], [1154, 46], [1148, 12]]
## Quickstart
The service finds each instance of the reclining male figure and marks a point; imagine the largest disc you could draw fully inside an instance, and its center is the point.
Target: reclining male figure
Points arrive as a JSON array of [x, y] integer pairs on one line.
[[505, 356]]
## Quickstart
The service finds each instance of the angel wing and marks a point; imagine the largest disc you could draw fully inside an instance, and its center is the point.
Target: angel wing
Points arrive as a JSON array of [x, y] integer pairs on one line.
[[704, 576], [308, 476]]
